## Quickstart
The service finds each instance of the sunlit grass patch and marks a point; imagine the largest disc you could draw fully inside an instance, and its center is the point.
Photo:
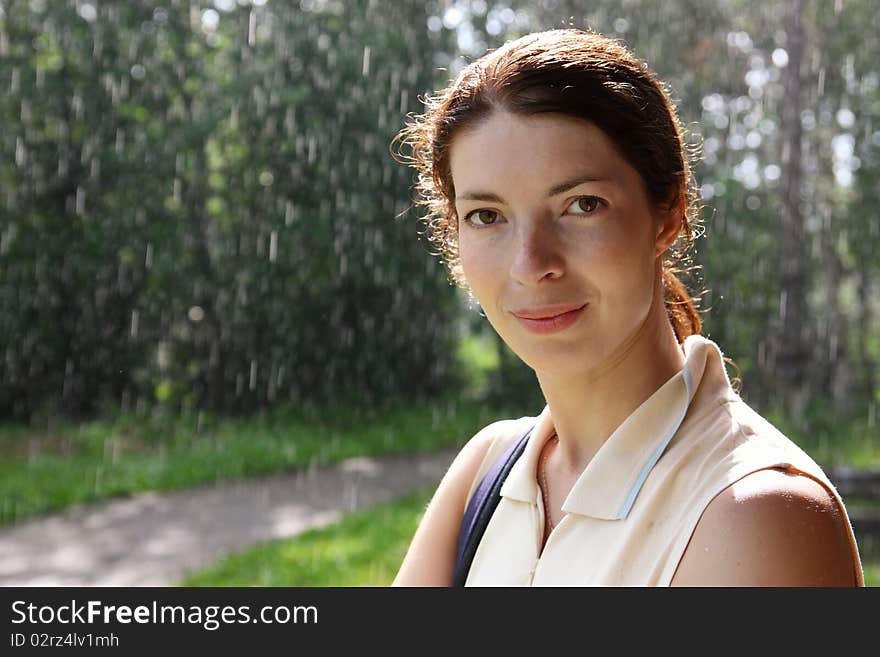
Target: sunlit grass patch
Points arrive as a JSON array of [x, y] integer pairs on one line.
[[363, 549]]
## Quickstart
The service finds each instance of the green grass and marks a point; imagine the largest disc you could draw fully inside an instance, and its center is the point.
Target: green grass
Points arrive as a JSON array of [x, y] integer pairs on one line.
[[44, 470], [363, 549], [872, 573]]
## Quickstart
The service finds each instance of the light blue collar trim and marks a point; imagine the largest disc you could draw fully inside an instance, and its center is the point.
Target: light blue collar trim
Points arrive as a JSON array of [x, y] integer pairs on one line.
[[655, 456]]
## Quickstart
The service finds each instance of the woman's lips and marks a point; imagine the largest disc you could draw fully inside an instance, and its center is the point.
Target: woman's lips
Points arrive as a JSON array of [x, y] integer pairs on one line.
[[548, 319]]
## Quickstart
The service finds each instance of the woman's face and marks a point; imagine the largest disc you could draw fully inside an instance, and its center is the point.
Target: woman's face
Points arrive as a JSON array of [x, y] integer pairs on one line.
[[558, 240]]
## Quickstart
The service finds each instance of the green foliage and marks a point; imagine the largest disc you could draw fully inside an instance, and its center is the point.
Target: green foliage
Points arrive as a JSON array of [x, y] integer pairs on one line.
[[478, 356], [830, 438], [364, 549], [206, 216]]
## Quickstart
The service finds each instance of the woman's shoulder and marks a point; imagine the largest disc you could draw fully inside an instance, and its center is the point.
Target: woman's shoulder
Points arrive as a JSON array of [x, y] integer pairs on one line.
[[774, 518], [759, 442], [490, 442], [430, 559], [728, 440], [773, 527]]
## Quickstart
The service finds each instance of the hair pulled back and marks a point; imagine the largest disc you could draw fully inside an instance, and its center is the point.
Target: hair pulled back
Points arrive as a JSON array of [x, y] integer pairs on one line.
[[575, 73]]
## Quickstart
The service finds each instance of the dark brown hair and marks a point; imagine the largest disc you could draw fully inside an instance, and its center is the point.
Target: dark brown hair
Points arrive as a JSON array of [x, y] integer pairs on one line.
[[579, 74]]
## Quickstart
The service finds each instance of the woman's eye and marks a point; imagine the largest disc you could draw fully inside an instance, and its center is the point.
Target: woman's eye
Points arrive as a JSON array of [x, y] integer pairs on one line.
[[482, 217], [584, 205]]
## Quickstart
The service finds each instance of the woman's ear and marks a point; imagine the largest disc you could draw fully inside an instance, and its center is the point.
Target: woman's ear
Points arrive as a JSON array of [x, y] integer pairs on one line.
[[668, 225]]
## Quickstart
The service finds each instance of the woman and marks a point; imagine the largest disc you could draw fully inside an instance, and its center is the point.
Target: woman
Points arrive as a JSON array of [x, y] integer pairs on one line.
[[560, 194]]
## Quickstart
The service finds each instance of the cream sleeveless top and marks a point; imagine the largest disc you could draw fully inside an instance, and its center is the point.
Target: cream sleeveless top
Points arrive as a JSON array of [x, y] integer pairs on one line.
[[632, 511]]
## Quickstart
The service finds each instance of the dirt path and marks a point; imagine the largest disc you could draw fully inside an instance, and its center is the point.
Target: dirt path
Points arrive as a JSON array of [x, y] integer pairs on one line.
[[156, 539]]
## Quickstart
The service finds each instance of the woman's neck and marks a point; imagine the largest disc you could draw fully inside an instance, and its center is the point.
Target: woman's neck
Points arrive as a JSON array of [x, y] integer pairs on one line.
[[587, 407]]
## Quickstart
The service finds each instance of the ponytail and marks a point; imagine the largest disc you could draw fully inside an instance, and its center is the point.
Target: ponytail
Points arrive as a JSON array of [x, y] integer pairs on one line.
[[680, 307]]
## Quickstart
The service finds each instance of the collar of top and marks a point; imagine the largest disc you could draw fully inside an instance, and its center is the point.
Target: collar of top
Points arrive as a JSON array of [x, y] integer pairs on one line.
[[608, 486]]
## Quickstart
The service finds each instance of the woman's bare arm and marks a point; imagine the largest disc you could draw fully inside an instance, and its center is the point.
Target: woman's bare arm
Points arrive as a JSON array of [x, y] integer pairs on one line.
[[771, 528], [430, 559]]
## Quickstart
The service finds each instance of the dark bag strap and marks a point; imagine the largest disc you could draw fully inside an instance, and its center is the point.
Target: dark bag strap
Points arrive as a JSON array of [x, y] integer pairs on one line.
[[482, 505]]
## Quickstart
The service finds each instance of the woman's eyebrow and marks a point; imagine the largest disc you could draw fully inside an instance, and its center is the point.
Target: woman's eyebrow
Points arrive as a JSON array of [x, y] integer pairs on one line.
[[479, 196], [560, 188], [571, 183]]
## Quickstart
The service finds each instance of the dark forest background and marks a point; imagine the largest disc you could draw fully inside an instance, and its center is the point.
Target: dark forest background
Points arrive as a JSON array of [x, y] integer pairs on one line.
[[199, 210]]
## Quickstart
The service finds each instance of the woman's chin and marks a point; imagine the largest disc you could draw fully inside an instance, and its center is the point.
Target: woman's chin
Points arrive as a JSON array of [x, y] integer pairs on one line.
[[555, 361]]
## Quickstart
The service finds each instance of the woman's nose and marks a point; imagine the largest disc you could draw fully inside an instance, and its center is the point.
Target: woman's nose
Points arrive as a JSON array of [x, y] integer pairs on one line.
[[537, 254]]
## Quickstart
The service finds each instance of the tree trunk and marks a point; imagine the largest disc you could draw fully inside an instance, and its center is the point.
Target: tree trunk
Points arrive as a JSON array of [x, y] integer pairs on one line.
[[864, 331], [834, 377], [792, 340]]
